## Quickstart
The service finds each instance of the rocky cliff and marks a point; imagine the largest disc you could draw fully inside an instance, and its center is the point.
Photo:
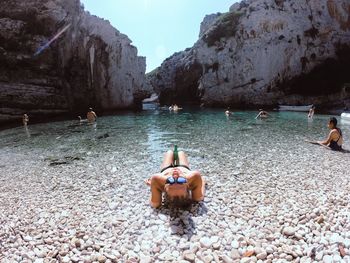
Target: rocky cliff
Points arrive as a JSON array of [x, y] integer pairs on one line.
[[89, 64], [264, 52]]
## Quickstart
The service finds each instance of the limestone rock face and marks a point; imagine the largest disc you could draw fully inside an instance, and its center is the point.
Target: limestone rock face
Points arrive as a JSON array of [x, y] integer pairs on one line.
[[207, 23], [264, 52], [89, 64]]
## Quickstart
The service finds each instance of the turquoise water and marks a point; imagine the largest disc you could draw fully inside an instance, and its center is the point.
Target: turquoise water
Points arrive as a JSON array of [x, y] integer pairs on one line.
[[207, 136]]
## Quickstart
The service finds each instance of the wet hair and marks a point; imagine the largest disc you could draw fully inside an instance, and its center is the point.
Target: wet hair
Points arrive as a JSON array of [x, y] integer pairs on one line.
[[334, 121], [182, 202]]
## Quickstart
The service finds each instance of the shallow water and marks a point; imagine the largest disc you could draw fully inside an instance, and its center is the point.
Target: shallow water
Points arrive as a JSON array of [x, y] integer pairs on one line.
[[207, 136]]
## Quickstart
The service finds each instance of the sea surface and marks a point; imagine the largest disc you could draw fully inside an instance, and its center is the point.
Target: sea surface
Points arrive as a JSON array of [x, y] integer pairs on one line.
[[208, 137]]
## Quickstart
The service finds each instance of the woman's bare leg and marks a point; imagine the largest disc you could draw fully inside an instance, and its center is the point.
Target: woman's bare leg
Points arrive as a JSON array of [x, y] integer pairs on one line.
[[168, 159], [183, 159]]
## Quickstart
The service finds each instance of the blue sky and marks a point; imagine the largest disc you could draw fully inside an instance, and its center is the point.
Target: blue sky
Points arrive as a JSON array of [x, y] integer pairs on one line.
[[158, 28]]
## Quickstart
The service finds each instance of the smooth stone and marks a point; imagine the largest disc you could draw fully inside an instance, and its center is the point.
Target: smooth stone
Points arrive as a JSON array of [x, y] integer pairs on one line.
[[235, 254], [145, 259], [39, 253], [245, 260], [163, 217], [269, 250], [235, 244], [188, 255], [101, 259], [288, 231], [216, 246], [27, 238], [208, 259], [226, 259], [205, 242], [319, 256], [289, 257], [261, 255], [327, 259]]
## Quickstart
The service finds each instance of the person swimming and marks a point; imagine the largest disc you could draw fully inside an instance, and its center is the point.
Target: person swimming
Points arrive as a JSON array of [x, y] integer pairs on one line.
[[335, 137], [228, 112], [262, 114]]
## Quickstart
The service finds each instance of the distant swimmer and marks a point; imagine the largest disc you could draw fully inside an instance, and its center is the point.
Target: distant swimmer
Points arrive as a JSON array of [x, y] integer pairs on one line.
[[311, 112], [335, 137], [262, 114], [176, 108], [228, 112], [25, 119], [91, 116]]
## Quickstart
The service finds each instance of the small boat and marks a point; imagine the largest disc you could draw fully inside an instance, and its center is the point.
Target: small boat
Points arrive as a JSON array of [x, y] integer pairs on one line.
[[345, 116], [154, 98], [294, 108]]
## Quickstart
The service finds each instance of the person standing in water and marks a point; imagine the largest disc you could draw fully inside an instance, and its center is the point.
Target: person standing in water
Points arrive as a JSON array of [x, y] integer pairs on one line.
[[91, 116], [311, 112], [335, 137], [25, 119], [228, 112]]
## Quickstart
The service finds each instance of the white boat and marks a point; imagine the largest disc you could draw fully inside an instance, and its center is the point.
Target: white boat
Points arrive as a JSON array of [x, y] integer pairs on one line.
[[294, 108], [345, 116], [152, 99]]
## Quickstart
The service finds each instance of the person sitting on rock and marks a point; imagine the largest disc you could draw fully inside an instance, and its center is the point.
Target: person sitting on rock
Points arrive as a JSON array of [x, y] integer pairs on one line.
[[262, 114], [335, 137], [91, 116], [180, 185]]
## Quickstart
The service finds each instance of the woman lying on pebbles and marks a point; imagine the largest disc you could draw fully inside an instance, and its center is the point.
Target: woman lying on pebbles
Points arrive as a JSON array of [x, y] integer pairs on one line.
[[180, 185]]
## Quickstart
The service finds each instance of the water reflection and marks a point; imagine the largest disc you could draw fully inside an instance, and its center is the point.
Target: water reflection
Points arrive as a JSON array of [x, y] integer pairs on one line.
[[27, 131], [150, 133]]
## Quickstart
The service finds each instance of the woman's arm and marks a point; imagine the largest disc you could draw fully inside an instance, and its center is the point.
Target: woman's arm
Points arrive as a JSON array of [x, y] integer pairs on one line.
[[328, 140], [156, 191], [197, 185]]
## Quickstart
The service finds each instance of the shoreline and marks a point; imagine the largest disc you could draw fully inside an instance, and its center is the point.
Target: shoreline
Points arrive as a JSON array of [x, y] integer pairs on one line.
[[15, 124]]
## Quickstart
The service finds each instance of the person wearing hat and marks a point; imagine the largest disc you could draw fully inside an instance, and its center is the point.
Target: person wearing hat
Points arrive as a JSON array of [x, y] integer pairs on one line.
[[91, 116]]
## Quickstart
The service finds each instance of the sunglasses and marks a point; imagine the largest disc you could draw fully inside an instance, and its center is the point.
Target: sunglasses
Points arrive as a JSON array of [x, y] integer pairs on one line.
[[179, 180]]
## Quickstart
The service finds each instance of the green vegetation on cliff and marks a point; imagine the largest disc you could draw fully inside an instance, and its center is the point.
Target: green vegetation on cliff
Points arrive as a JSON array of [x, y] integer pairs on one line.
[[224, 27]]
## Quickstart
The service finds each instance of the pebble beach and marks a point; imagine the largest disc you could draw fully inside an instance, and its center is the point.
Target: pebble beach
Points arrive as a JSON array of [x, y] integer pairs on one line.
[[266, 200]]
